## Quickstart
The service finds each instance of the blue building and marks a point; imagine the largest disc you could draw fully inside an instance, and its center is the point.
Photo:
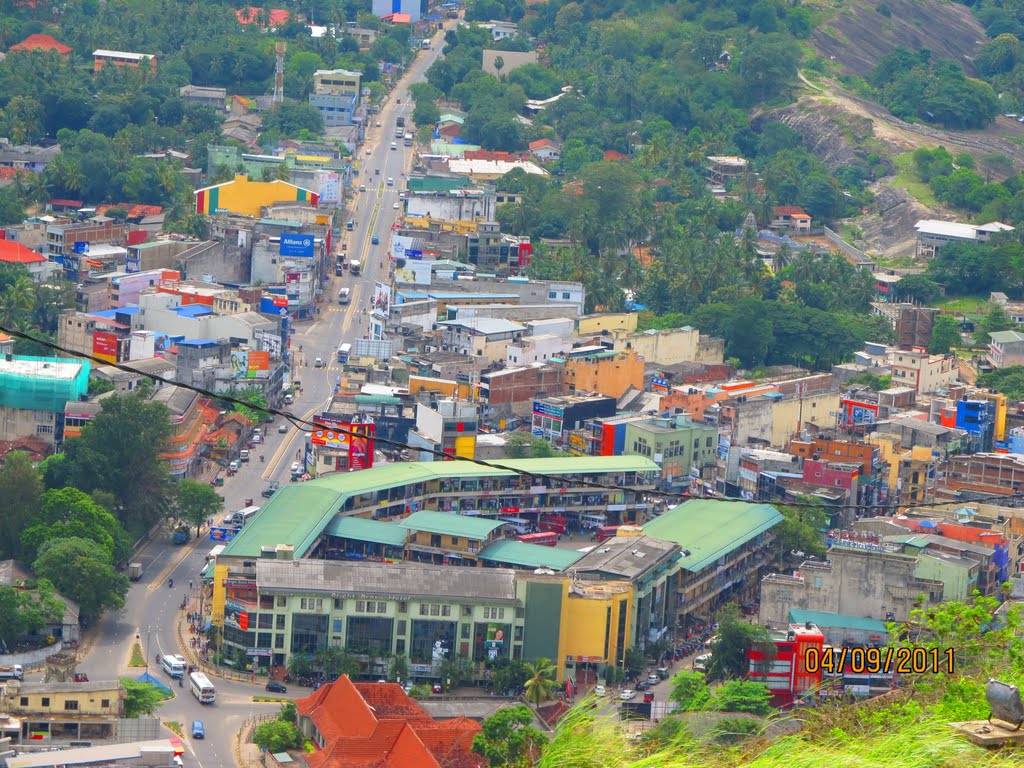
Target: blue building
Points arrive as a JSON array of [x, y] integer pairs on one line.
[[978, 419]]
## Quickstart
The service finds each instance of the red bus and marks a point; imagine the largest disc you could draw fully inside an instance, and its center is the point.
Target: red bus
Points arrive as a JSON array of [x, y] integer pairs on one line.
[[545, 539], [556, 523], [606, 532]]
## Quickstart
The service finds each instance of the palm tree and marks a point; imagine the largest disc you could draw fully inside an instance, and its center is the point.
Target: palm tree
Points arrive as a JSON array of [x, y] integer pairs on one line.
[[541, 683], [18, 300]]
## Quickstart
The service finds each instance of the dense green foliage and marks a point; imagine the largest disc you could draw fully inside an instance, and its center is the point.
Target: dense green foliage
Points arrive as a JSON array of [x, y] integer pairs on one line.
[[140, 699], [508, 739], [23, 611], [1009, 381]]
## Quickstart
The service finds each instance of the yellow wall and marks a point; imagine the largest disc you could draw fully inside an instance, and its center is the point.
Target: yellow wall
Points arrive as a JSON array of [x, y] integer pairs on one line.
[[459, 227], [816, 409], [889, 450], [220, 595], [465, 447], [1000, 403], [422, 538], [89, 702], [246, 197], [444, 387], [611, 376], [585, 621], [594, 324]]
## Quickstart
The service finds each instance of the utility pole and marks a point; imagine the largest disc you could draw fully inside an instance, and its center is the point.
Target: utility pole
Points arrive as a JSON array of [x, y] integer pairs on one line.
[[279, 50]]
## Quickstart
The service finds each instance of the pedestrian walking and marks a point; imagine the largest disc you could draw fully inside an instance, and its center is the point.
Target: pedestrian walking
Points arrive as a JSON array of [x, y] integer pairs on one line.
[[190, 584]]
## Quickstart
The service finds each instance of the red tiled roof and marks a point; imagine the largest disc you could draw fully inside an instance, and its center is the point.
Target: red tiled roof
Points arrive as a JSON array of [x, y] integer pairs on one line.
[[66, 203], [36, 449], [276, 15], [613, 154], [12, 252], [39, 42], [398, 18], [133, 210], [540, 143], [377, 725], [965, 533], [790, 210]]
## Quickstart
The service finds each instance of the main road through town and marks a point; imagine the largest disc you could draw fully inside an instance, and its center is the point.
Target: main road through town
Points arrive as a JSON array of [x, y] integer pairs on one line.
[[151, 610]]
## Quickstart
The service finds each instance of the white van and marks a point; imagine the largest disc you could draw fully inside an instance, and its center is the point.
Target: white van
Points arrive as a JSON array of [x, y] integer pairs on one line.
[[243, 454], [343, 295], [394, 145]]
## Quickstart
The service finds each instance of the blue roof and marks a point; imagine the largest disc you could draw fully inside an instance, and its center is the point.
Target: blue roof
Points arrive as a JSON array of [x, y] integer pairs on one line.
[[132, 310], [197, 342], [110, 314], [194, 310], [459, 295]]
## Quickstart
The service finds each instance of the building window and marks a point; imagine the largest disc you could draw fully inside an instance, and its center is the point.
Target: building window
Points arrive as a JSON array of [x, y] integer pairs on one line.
[[46, 701], [401, 627], [279, 641], [465, 631], [279, 621], [403, 607], [282, 601], [104, 703], [336, 626], [71, 705], [360, 606], [552, 294], [24, 701]]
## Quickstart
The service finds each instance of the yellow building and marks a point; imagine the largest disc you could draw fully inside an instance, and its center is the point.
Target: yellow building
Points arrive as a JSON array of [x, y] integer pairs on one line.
[[247, 198], [609, 373], [103, 698], [592, 613], [441, 387], [337, 81], [594, 325]]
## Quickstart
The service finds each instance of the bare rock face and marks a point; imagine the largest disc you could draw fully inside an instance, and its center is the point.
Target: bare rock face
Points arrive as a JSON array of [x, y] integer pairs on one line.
[[832, 134], [889, 227], [859, 36]]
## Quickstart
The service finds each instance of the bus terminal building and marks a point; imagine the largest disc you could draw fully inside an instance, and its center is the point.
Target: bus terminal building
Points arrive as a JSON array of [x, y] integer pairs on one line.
[[367, 561]]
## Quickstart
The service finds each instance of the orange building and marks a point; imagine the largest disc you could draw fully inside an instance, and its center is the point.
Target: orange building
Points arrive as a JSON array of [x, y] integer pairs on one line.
[[103, 58], [192, 418], [190, 294], [695, 400], [366, 725], [843, 451], [608, 373]]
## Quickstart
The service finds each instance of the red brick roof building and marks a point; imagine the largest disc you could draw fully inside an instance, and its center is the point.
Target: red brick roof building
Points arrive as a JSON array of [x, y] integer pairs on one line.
[[39, 42], [377, 725], [13, 252]]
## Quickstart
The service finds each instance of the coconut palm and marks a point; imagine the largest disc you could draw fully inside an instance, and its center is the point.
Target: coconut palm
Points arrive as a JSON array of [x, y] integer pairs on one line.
[[541, 683]]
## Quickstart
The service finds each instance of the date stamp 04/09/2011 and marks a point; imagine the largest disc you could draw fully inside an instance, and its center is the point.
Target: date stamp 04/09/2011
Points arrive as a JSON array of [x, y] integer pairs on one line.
[[870, 661]]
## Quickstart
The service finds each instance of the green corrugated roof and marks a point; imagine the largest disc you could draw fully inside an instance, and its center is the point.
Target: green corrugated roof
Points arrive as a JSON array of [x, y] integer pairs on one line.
[[299, 512], [362, 529], [437, 183], [529, 555], [710, 528], [838, 620], [451, 524]]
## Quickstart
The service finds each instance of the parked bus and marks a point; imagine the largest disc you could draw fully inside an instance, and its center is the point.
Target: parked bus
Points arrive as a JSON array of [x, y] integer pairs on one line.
[[556, 523], [518, 524], [546, 539], [344, 352], [202, 688], [243, 516], [173, 665], [593, 521], [214, 552], [606, 532]]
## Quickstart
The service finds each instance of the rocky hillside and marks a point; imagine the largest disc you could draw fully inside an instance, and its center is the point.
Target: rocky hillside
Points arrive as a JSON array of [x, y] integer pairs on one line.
[[859, 35]]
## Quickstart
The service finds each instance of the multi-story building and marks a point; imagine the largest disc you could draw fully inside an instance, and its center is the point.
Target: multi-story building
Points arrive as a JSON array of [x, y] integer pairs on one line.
[[512, 390], [604, 371], [68, 710], [554, 418], [725, 546], [1006, 349], [204, 96], [33, 393], [69, 243], [485, 337], [336, 95], [924, 372], [932, 235], [496, 253]]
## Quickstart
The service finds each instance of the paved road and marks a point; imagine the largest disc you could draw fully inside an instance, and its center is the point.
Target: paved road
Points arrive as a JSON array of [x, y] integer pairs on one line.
[[152, 607]]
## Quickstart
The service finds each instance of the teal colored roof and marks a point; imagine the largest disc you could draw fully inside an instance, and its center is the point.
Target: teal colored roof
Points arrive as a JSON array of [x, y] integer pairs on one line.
[[451, 524], [710, 528], [529, 555], [362, 529], [298, 513], [838, 620], [437, 183]]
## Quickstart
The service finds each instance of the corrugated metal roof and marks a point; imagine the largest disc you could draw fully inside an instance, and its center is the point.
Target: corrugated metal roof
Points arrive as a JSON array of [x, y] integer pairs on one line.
[[709, 528], [838, 620], [373, 531], [529, 555], [298, 513], [451, 524]]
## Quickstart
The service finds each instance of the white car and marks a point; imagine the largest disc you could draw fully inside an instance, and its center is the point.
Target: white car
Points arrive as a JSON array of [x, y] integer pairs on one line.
[[396, 206], [369, 151], [318, 363], [282, 429], [627, 694], [296, 468], [700, 664], [599, 690], [378, 123]]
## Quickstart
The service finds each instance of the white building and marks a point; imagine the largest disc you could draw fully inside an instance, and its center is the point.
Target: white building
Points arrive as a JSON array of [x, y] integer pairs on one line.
[[536, 349], [484, 337], [933, 234], [925, 373], [164, 313]]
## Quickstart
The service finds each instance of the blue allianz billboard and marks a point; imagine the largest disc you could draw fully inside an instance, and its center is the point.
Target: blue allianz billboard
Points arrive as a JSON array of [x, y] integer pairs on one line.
[[297, 245]]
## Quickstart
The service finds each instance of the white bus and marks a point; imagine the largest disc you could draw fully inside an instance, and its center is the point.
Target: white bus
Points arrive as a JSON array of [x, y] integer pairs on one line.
[[173, 665], [518, 524], [593, 520], [214, 552], [344, 352], [202, 688], [243, 516]]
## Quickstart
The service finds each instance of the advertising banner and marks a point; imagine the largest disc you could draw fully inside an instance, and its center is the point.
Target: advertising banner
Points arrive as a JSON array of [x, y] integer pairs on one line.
[[269, 342], [296, 245], [259, 365], [222, 534], [80, 246], [414, 272], [104, 346], [239, 364], [381, 303], [399, 245], [235, 616]]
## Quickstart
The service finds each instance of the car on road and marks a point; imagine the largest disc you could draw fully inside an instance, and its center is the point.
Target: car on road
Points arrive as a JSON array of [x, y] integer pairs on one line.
[[318, 363], [198, 731], [700, 664], [600, 690], [643, 685], [369, 151], [653, 679], [627, 695], [374, 240], [296, 468], [396, 206], [362, 187], [283, 429], [391, 181], [378, 123], [234, 465], [276, 687]]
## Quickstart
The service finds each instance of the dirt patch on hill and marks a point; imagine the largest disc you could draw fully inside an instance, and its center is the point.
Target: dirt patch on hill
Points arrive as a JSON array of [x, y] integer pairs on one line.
[[858, 36]]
